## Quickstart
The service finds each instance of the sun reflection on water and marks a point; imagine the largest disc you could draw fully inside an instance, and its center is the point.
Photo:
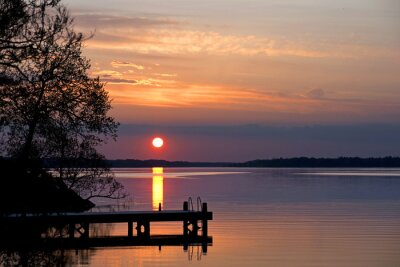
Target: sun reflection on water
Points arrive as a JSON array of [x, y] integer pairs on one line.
[[158, 188]]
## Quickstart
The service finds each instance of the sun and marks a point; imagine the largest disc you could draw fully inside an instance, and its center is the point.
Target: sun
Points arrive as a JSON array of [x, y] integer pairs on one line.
[[158, 142]]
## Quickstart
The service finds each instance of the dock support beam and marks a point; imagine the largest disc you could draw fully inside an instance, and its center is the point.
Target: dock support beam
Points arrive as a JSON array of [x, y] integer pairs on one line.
[[194, 223], [130, 229], [85, 227], [185, 222], [143, 229], [204, 222], [71, 230]]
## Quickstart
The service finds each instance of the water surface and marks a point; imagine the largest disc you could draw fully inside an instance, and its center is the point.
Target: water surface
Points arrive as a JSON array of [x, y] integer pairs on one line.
[[265, 217], [271, 217]]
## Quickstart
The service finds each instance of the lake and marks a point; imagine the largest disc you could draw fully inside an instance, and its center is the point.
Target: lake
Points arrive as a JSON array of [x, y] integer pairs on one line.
[[263, 217]]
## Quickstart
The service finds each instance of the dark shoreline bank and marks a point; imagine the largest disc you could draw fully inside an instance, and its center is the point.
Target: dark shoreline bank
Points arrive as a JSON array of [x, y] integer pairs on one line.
[[34, 190]]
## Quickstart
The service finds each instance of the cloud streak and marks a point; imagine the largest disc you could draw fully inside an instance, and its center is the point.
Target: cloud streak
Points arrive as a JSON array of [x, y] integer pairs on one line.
[[122, 64], [186, 42], [99, 21], [119, 81], [166, 36]]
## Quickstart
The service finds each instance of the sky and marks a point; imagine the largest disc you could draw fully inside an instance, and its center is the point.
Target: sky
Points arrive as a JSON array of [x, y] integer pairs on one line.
[[236, 80]]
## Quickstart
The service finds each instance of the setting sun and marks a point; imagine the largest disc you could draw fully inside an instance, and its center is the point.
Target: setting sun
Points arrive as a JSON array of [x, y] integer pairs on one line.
[[158, 142]]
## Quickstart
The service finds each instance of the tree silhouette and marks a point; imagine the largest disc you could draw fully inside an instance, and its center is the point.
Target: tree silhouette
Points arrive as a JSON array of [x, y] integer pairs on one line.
[[49, 106]]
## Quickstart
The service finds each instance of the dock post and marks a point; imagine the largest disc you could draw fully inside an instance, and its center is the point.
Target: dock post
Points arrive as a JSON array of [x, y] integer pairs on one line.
[[146, 229], [71, 230], [185, 222], [204, 247], [204, 224], [130, 229], [195, 228], [86, 229]]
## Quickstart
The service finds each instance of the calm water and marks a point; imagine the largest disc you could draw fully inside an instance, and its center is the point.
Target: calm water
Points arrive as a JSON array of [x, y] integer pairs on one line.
[[266, 217]]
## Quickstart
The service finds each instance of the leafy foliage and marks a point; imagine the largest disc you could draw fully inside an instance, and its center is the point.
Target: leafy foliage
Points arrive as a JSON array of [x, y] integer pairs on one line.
[[49, 106]]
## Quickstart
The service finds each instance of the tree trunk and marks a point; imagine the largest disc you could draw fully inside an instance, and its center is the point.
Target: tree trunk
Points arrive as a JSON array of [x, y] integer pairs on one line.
[[32, 127]]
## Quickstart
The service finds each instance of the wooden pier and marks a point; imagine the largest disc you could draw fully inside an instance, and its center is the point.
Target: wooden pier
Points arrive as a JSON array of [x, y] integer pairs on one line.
[[138, 225]]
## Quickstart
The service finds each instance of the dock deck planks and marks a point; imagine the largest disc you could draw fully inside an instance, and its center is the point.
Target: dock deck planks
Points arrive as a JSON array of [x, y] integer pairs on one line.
[[78, 225]]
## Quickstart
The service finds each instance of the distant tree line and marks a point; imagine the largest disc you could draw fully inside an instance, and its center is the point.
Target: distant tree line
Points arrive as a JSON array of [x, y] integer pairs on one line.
[[135, 163], [304, 162], [300, 162]]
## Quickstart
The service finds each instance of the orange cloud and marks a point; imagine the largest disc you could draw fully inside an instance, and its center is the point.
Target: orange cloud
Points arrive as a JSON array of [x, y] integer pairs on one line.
[[178, 95], [171, 41], [178, 66]]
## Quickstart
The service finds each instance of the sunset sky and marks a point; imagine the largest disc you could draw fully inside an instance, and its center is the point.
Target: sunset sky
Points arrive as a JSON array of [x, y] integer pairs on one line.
[[236, 80]]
